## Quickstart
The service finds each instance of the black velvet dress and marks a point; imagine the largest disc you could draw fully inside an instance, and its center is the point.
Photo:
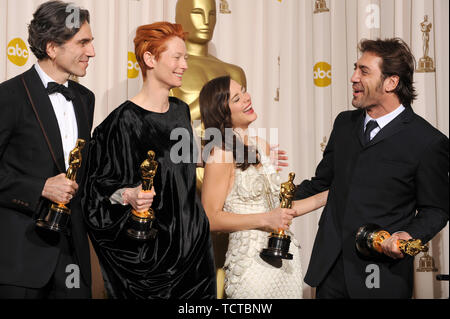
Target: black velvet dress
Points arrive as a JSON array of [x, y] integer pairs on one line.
[[178, 263]]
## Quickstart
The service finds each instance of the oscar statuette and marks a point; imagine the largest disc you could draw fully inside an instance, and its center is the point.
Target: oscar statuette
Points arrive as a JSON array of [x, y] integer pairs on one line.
[[370, 237], [58, 216], [278, 246], [426, 63], [224, 7], [140, 223], [426, 263]]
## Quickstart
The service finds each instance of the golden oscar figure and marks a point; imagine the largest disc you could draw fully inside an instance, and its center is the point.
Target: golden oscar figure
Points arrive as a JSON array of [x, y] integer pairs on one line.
[[224, 7], [426, 63], [279, 242], [426, 262], [58, 216], [370, 237], [140, 223]]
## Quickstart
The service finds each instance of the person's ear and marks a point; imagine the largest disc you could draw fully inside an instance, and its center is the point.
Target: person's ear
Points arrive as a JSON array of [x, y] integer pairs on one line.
[[51, 49], [149, 60], [390, 84]]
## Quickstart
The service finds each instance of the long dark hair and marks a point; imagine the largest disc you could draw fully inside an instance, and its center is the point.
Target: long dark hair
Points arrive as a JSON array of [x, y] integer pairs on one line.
[[215, 112], [49, 25], [397, 60]]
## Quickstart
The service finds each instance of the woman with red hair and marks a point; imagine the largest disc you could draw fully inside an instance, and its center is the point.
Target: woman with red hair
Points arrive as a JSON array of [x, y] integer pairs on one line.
[[178, 262]]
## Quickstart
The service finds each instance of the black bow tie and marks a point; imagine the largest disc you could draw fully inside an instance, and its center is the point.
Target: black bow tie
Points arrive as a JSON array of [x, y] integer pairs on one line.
[[54, 87]]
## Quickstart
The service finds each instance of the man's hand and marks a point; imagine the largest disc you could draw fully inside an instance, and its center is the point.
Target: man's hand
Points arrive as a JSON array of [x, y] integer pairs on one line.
[[390, 246], [59, 189]]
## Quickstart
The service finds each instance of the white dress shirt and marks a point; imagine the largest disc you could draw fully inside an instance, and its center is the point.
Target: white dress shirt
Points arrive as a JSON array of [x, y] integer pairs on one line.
[[65, 116], [383, 121]]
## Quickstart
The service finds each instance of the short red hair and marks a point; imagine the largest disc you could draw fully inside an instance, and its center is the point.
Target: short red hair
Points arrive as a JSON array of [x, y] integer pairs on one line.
[[152, 38]]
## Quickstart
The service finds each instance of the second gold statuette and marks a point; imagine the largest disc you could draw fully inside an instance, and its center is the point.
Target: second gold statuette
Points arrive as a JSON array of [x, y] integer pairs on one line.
[[370, 237], [58, 216], [279, 242], [140, 223]]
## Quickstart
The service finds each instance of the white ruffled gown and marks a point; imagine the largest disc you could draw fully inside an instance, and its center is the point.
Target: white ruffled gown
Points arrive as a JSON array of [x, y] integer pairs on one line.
[[247, 276]]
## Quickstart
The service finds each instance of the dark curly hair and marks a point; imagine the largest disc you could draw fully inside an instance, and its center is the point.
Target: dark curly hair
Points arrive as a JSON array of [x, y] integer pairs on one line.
[[397, 60], [215, 112], [49, 24]]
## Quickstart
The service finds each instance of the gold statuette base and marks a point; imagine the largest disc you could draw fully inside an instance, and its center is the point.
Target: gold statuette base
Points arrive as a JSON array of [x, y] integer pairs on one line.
[[426, 65], [140, 225], [320, 6], [57, 219], [426, 263], [278, 246]]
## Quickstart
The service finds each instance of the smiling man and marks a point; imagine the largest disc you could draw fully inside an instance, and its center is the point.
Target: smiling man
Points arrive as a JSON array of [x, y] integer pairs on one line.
[[383, 163], [43, 114]]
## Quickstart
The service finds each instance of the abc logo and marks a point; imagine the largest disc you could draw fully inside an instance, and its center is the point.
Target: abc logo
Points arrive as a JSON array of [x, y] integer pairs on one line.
[[322, 74], [18, 52], [133, 66]]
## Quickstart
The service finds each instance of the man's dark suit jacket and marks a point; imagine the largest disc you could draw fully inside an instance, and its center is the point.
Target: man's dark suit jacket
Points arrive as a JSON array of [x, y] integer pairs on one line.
[[403, 169], [28, 256]]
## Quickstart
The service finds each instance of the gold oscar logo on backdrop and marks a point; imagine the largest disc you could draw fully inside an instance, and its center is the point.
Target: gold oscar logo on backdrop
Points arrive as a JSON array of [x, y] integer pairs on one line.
[[322, 74], [18, 52], [224, 7], [426, 63], [277, 96], [320, 6], [426, 262], [133, 66]]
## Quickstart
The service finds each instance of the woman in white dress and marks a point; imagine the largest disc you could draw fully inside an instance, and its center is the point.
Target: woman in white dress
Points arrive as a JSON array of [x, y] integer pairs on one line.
[[240, 194]]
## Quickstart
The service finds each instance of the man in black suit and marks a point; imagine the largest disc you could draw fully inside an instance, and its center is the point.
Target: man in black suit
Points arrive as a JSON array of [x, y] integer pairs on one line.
[[42, 114], [383, 163]]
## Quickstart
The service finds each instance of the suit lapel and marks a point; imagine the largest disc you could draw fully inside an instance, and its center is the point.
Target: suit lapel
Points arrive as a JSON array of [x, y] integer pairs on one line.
[[358, 130], [393, 127], [46, 116], [81, 114]]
